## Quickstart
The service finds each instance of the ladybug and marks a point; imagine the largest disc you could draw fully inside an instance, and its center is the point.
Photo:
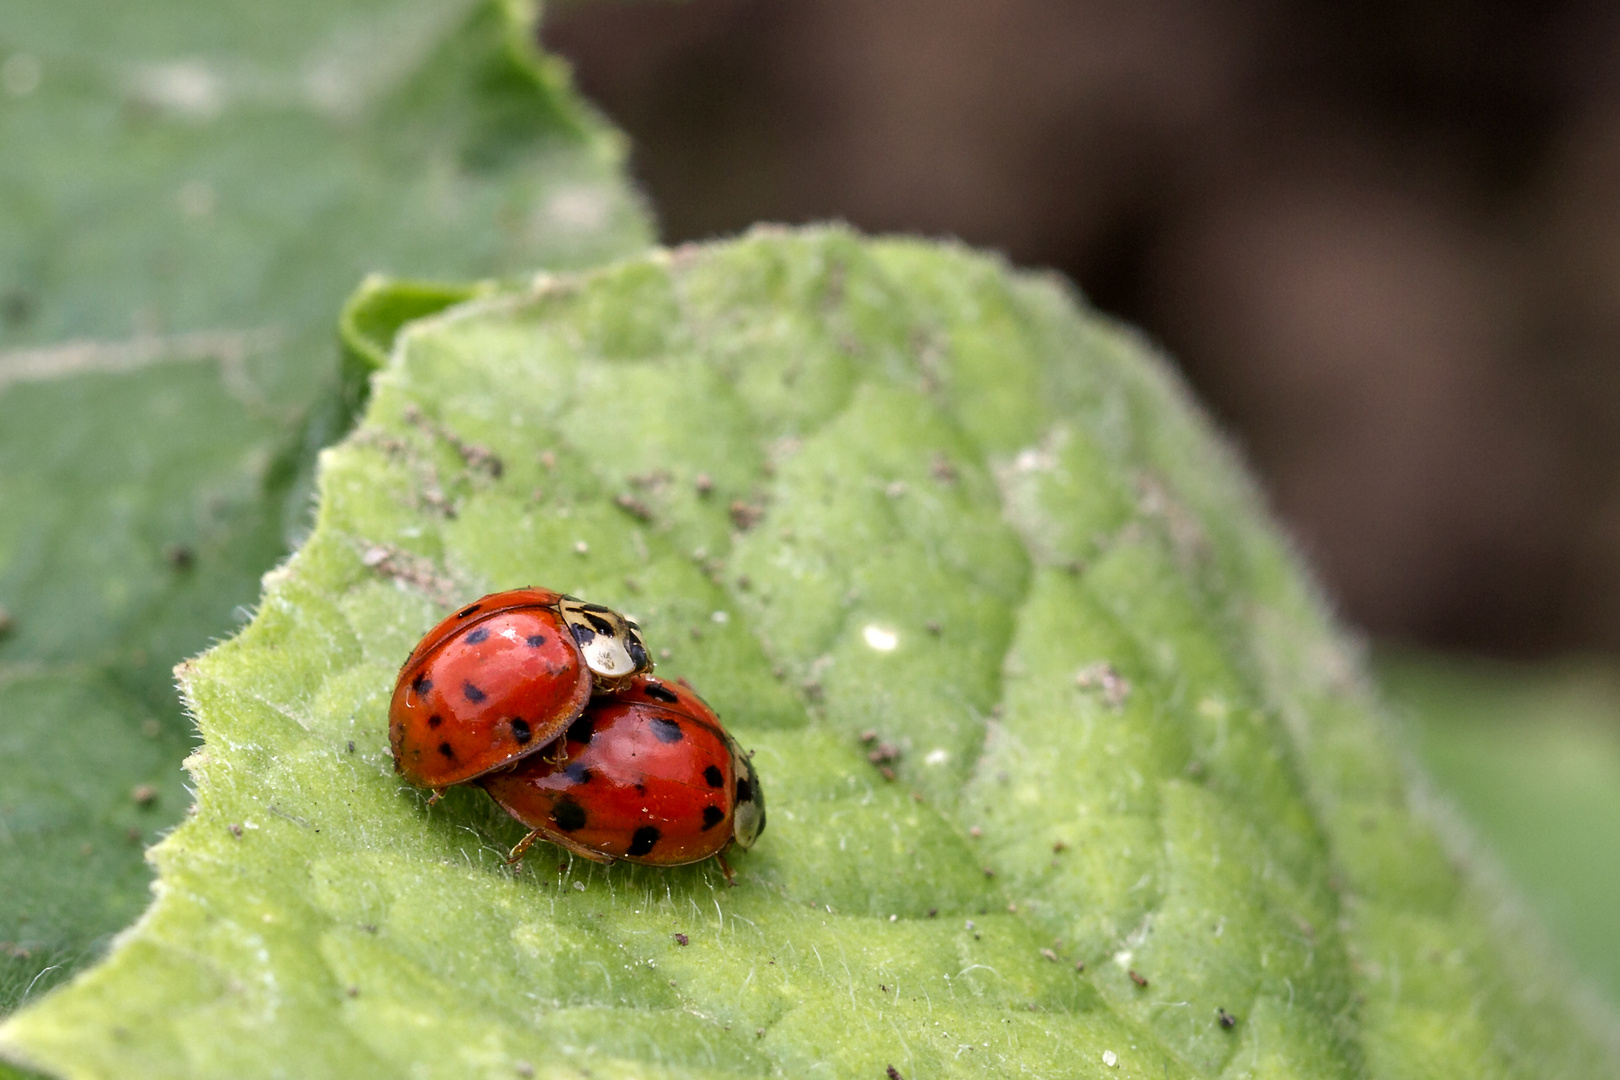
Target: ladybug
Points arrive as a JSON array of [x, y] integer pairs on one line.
[[501, 678], [650, 776]]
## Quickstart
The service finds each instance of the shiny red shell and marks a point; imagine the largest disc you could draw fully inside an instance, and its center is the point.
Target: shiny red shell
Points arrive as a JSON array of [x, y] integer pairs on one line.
[[648, 775], [497, 680]]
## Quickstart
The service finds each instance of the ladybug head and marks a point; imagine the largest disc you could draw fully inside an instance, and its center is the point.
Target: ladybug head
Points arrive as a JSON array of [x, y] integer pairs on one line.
[[610, 643], [748, 815]]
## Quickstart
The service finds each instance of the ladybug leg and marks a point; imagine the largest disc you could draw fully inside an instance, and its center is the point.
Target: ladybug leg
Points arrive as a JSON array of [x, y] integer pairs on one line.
[[725, 868], [522, 847], [560, 758], [561, 841], [438, 793]]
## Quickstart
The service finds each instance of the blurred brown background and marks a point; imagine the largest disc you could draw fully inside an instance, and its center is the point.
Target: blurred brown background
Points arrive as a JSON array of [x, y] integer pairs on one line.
[[1382, 238]]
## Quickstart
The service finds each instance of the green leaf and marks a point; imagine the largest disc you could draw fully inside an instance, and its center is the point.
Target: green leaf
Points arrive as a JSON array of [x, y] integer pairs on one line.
[[937, 503], [187, 190], [1532, 754], [374, 315]]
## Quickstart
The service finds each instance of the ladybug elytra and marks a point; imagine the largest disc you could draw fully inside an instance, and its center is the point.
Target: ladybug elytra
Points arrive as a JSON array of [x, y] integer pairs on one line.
[[648, 775], [500, 679]]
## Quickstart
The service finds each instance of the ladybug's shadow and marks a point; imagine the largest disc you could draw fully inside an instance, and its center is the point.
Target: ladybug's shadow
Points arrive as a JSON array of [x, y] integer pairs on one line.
[[476, 824], [486, 834]]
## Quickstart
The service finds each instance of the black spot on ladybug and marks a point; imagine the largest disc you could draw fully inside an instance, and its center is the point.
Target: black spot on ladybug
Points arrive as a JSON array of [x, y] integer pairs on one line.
[[745, 790], [596, 607], [568, 815], [638, 653], [474, 695], [714, 776], [643, 840], [578, 773], [464, 612], [582, 634], [447, 750], [421, 684], [667, 731], [659, 692], [477, 636], [599, 624], [520, 729], [581, 730], [435, 720], [712, 816], [535, 640]]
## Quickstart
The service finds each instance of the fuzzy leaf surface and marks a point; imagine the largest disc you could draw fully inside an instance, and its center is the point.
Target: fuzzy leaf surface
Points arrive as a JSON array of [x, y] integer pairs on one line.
[[880, 487], [187, 190]]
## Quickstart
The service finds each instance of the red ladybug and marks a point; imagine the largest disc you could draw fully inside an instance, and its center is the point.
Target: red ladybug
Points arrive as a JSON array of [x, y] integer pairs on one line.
[[650, 776], [501, 678]]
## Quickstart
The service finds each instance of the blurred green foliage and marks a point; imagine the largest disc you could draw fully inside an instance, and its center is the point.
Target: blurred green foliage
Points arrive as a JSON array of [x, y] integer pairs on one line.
[[188, 189], [1531, 755]]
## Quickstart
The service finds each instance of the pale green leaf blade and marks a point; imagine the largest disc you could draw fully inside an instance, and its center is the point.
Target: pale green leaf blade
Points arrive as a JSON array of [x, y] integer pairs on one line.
[[875, 487]]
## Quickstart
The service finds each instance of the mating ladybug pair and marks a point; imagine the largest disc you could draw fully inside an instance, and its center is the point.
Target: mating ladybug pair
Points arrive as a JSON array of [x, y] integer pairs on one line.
[[636, 769]]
